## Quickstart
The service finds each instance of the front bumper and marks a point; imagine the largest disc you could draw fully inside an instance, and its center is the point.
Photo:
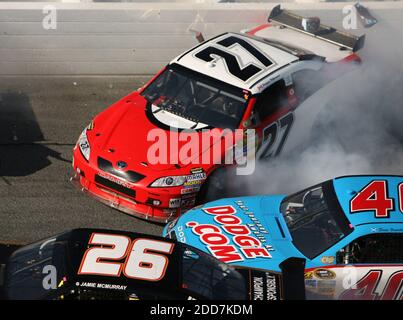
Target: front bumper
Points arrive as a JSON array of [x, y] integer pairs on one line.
[[116, 201], [83, 177]]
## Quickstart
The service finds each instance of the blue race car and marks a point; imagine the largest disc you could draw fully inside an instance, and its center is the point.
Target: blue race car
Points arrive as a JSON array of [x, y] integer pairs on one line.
[[350, 230]]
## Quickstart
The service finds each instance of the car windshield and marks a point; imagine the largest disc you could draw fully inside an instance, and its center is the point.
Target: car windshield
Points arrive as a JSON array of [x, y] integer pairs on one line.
[[207, 277], [315, 219], [28, 267], [202, 101]]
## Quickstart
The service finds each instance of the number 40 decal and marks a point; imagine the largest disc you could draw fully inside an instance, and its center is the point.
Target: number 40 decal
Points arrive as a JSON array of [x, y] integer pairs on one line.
[[138, 260], [365, 289], [374, 197]]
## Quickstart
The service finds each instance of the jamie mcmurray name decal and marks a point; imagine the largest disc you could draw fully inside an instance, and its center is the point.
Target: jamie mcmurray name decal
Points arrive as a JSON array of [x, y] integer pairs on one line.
[[249, 242]]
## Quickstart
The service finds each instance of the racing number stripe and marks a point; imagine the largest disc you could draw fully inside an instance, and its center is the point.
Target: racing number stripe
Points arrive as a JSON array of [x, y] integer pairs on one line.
[[241, 72], [107, 247], [145, 265], [277, 130], [141, 260], [365, 289], [373, 197]]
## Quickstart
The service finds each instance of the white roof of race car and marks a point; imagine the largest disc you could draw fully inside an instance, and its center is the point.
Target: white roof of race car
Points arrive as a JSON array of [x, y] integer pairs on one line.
[[216, 67]]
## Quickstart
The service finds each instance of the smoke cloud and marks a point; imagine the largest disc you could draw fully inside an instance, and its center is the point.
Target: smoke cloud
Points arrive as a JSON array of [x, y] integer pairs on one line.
[[360, 130]]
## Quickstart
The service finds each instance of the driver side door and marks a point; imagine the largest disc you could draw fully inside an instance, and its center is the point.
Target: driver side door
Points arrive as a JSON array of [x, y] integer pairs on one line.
[[273, 117]]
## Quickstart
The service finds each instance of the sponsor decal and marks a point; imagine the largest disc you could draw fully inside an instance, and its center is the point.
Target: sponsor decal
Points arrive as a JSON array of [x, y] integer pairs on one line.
[[192, 183], [327, 287], [188, 190], [229, 228], [195, 179], [100, 285], [264, 286], [188, 196], [241, 148], [169, 211], [258, 288], [256, 227], [327, 284], [288, 80], [391, 229], [271, 287], [196, 176], [175, 202], [114, 179], [180, 234], [327, 259], [311, 283], [324, 288], [322, 273], [189, 202], [196, 170]]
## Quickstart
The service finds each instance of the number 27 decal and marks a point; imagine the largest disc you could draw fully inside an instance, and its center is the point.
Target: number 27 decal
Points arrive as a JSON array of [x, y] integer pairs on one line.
[[275, 135], [140, 257], [375, 197]]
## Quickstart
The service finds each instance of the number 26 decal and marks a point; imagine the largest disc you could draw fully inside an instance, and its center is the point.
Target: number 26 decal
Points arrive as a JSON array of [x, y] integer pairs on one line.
[[375, 197], [143, 259]]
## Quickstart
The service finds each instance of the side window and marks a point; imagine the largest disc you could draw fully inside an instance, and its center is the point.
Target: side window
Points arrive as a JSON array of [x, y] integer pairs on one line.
[[373, 248], [271, 100], [306, 83]]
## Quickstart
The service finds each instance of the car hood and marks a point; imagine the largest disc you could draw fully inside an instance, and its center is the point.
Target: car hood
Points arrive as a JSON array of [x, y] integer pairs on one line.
[[259, 214], [125, 130]]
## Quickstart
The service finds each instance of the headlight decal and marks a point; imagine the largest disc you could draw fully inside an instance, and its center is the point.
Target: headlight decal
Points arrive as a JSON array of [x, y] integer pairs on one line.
[[189, 181], [170, 181], [84, 145]]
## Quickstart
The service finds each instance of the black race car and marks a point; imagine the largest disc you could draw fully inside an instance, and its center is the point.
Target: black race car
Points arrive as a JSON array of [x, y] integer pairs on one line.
[[103, 264]]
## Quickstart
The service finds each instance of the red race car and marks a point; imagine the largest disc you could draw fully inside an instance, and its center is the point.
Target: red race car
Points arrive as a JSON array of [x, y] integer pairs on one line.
[[142, 154]]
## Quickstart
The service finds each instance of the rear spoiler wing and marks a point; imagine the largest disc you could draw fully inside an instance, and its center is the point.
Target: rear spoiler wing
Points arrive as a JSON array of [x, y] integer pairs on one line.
[[326, 33]]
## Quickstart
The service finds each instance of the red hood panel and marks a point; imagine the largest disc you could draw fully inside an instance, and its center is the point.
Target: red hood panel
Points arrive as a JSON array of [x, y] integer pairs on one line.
[[124, 128]]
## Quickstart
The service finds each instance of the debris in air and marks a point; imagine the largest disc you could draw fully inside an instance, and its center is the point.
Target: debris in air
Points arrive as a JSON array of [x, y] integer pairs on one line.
[[366, 18], [198, 35]]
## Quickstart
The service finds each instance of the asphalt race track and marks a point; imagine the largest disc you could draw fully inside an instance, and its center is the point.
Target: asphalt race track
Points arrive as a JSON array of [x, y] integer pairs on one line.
[[40, 121], [41, 118]]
